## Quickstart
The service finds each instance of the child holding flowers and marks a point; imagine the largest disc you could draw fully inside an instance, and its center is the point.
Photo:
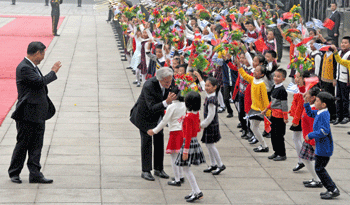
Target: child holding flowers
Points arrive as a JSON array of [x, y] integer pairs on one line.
[[211, 133]]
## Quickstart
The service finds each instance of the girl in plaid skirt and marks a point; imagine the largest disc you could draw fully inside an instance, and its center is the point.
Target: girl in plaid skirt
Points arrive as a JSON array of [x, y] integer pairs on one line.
[[211, 133], [191, 151], [307, 152]]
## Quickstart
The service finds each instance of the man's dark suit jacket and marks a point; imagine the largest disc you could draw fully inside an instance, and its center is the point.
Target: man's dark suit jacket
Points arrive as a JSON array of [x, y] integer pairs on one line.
[[148, 107], [336, 19], [33, 104]]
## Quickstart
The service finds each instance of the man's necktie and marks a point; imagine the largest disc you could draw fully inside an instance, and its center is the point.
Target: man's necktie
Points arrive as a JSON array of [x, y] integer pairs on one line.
[[37, 71]]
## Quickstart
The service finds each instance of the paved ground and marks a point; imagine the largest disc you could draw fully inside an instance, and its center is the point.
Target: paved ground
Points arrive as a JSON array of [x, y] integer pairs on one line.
[[92, 151]]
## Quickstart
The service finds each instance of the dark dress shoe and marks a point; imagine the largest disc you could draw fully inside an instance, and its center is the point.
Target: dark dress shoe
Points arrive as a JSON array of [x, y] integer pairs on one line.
[[272, 156], [298, 167], [195, 197], [221, 110], [40, 180], [261, 149], [348, 132], [244, 134], [148, 176], [314, 184], [336, 121], [129, 67], [16, 179], [188, 196], [330, 194], [268, 135], [344, 121], [279, 158], [161, 174], [219, 170], [239, 125], [209, 169], [230, 115], [56, 34], [253, 141], [182, 180], [174, 183], [264, 133]]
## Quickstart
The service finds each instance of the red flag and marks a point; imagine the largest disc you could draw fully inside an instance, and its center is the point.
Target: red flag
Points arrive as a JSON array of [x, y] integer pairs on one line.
[[260, 45], [235, 26], [310, 82], [304, 41], [232, 17], [325, 48], [199, 7], [267, 124], [223, 23], [242, 9], [328, 24], [287, 15], [215, 42]]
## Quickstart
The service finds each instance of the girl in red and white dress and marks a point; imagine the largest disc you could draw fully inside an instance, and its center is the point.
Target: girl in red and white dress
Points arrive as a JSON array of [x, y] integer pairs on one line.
[[173, 118], [191, 151]]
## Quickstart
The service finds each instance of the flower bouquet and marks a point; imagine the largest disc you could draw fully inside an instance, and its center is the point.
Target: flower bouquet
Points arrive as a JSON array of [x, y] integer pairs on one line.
[[301, 62], [186, 84], [293, 33], [167, 9], [204, 14]]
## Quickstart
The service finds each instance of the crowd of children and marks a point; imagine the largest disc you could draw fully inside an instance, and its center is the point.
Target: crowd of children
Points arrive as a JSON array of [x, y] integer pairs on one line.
[[230, 53]]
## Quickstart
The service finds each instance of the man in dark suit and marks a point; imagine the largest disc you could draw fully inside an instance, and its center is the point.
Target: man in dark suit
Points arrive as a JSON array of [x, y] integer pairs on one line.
[[335, 17], [146, 114], [55, 15], [32, 109], [279, 39]]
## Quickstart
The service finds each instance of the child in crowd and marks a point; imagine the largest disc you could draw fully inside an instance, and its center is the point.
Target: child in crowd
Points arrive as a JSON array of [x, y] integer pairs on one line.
[[174, 112], [258, 60], [307, 153], [191, 151], [296, 111], [156, 60], [324, 142], [279, 118], [211, 133], [260, 102], [271, 67]]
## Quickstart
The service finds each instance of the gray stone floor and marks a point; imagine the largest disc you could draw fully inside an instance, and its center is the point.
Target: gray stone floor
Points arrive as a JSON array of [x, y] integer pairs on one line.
[[92, 151]]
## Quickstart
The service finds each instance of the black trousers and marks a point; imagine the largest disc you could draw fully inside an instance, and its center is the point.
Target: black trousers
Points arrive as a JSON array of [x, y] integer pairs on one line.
[[343, 101], [13, 2], [227, 95], [278, 130], [320, 164], [279, 42], [30, 138], [46, 2], [336, 40], [55, 20], [241, 113], [328, 87], [110, 15], [146, 151], [79, 3]]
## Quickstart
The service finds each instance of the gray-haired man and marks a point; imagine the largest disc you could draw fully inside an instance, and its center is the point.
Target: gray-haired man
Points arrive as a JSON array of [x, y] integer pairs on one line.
[[146, 113]]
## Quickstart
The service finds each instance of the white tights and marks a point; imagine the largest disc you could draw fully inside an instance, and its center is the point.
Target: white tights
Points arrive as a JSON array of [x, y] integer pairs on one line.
[[298, 143], [254, 126], [214, 155], [138, 76], [310, 165], [178, 171], [221, 100], [191, 179]]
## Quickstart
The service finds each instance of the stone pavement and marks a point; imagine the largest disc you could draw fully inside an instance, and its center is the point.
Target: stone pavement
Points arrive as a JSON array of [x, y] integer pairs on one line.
[[92, 151]]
